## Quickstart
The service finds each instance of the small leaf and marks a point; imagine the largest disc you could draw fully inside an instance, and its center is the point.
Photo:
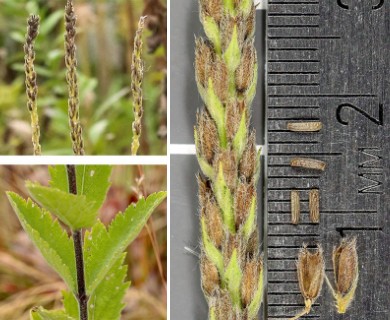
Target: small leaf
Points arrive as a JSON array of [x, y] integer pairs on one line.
[[211, 251], [217, 112], [233, 277], [50, 22], [102, 246], [92, 181], [232, 55], [254, 306], [107, 300], [71, 305], [224, 199], [250, 223], [42, 314], [240, 139], [73, 210], [48, 236], [212, 31]]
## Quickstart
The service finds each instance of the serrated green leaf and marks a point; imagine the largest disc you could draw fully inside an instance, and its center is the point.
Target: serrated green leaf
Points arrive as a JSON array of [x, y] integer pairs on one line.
[[42, 314], [232, 55], [102, 246], [92, 181], [49, 237], [71, 305], [254, 306], [217, 112], [239, 141], [212, 31], [107, 300], [73, 210], [211, 251], [224, 199], [233, 277]]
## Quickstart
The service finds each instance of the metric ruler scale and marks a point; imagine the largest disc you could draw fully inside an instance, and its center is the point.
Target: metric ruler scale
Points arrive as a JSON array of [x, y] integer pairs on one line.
[[328, 61]]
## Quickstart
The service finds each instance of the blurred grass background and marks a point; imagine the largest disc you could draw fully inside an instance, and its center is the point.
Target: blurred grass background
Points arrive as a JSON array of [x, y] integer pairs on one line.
[[105, 34], [25, 278]]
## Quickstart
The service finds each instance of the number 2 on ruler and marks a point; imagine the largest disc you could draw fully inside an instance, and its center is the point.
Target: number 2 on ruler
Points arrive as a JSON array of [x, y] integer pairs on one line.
[[378, 121]]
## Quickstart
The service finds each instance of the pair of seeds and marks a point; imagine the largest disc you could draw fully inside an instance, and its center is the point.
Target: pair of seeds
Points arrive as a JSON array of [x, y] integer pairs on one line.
[[314, 206], [311, 275]]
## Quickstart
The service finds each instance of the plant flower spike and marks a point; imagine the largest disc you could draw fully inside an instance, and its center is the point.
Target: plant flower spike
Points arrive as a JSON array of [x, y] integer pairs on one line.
[[311, 272], [31, 80], [226, 76], [346, 273]]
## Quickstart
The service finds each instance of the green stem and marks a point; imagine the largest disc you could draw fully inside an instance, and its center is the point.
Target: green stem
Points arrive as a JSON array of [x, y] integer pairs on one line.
[[78, 248]]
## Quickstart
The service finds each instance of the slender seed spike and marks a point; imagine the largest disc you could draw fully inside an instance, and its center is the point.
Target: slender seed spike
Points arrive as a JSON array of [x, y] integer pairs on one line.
[[137, 74], [225, 69], [31, 80], [71, 78], [314, 205]]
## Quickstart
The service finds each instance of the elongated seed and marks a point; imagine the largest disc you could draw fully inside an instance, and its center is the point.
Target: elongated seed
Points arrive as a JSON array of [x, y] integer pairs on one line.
[[311, 126], [308, 163], [314, 205], [295, 207]]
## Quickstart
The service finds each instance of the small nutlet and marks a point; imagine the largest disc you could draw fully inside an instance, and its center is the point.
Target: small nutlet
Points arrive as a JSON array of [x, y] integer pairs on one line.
[[346, 273], [314, 205], [295, 207]]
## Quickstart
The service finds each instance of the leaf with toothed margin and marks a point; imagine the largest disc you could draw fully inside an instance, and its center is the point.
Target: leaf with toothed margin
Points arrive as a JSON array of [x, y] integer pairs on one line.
[[212, 252], [42, 314], [73, 210], [71, 305], [233, 277], [92, 181], [49, 237], [212, 31], [254, 306], [232, 55], [102, 246], [107, 300]]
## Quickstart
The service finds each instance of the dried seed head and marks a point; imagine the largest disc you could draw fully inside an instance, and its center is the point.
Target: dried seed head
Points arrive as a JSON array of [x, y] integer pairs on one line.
[[346, 272], [250, 281], [229, 165], [211, 8], [311, 270], [295, 207], [227, 26], [207, 136], [220, 77], [314, 205], [210, 276], [244, 73], [248, 165], [233, 118], [242, 201]]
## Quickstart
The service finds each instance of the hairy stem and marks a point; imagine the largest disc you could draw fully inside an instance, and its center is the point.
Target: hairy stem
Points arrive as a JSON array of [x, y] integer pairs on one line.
[[78, 248]]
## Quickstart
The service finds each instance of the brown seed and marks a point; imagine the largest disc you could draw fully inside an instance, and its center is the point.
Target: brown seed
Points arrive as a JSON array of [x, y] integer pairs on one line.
[[312, 126], [311, 271], [308, 163], [314, 205], [345, 262], [295, 207]]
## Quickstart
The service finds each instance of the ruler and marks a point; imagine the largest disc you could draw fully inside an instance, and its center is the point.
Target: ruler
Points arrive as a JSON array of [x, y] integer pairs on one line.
[[328, 61]]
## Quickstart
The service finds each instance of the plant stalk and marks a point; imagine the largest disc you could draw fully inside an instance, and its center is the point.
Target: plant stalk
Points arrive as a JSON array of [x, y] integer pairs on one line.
[[78, 248]]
